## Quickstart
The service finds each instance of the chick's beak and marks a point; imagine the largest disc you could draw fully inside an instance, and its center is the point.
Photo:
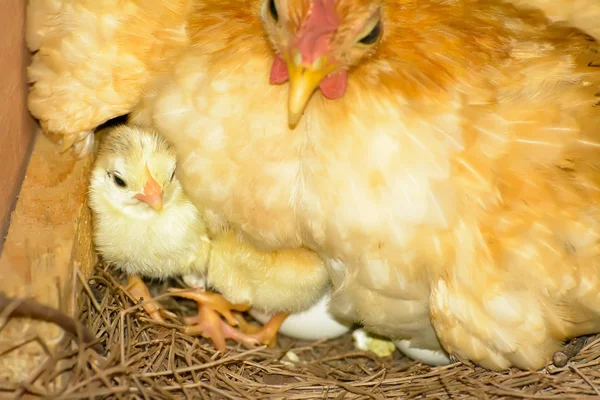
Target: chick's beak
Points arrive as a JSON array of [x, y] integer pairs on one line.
[[152, 195], [304, 80]]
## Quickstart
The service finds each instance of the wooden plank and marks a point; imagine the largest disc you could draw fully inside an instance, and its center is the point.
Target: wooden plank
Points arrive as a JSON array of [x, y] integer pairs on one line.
[[49, 236], [16, 125]]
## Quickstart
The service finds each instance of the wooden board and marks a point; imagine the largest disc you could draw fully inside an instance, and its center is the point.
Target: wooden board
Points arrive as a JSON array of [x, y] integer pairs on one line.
[[16, 125], [49, 236]]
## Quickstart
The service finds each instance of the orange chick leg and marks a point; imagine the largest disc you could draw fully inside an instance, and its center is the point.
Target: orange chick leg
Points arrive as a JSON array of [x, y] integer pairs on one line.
[[208, 322], [138, 289], [267, 334]]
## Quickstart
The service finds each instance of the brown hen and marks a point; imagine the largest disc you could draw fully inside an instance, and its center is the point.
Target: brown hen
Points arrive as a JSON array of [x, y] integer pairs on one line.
[[445, 169], [440, 156]]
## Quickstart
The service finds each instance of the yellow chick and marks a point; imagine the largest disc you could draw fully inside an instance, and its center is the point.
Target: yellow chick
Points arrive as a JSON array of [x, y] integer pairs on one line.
[[145, 225]]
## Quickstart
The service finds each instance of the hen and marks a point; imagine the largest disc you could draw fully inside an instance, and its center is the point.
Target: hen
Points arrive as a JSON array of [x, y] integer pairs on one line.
[[461, 116], [446, 168]]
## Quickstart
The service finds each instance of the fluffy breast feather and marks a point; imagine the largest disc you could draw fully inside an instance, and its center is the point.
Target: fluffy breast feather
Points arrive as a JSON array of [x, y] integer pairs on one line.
[[400, 145]]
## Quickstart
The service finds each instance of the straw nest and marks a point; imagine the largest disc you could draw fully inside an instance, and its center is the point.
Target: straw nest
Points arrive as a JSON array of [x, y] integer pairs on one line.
[[147, 360]]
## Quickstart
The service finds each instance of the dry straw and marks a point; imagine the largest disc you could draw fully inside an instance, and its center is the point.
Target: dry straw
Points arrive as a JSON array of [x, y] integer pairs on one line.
[[147, 360]]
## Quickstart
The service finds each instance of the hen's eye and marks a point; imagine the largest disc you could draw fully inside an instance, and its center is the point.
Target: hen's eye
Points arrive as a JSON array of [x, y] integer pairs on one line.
[[273, 10], [372, 36]]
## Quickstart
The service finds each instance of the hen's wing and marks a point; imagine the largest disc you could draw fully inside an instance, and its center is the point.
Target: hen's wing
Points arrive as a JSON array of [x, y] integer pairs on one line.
[[93, 58], [524, 275]]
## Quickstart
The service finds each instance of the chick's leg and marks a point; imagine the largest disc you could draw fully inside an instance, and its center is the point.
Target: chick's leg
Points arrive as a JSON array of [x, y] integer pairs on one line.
[[208, 322], [138, 289]]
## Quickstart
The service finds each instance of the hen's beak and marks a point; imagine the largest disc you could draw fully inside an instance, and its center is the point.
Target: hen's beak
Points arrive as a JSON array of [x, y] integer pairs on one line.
[[152, 195], [304, 79]]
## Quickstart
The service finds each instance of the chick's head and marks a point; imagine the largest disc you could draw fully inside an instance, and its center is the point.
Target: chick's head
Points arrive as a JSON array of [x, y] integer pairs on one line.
[[317, 42], [134, 173]]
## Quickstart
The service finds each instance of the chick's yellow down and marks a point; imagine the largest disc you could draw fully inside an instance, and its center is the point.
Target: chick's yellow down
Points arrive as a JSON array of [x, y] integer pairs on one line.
[[145, 225], [440, 156], [92, 59], [279, 282], [283, 281]]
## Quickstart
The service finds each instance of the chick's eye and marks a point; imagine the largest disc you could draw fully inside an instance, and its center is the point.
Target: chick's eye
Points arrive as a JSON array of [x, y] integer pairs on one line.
[[273, 10], [372, 36], [119, 181], [172, 176]]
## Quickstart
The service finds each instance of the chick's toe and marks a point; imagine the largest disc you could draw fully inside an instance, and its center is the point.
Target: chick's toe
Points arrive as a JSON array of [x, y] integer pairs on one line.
[[215, 302], [267, 334], [209, 325], [208, 322]]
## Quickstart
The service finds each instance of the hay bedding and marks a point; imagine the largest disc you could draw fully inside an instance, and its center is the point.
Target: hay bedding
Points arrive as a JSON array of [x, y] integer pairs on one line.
[[147, 360]]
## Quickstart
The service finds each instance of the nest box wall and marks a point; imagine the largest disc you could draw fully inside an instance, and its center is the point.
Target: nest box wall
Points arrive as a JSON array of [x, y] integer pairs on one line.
[[16, 125], [48, 227]]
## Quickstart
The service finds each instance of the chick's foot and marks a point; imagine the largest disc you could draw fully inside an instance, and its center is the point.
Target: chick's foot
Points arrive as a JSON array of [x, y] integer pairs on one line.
[[267, 334], [208, 322], [209, 325], [138, 289]]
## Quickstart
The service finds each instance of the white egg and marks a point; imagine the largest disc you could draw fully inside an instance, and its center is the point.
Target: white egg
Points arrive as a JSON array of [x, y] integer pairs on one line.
[[313, 324], [429, 357]]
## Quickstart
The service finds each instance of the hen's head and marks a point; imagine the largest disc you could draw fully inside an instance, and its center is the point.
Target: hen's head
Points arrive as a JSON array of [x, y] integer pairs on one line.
[[317, 41], [134, 174]]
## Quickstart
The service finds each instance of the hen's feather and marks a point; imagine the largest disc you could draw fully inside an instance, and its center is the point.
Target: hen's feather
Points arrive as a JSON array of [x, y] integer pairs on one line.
[[582, 14], [92, 59]]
